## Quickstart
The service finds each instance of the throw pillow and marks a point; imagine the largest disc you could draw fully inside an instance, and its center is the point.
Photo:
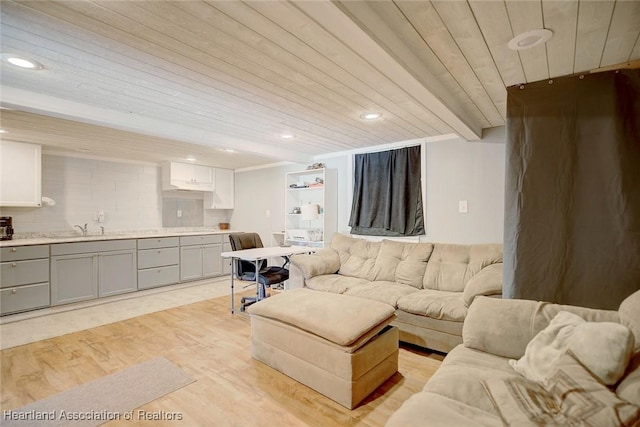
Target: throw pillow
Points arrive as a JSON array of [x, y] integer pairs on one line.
[[570, 396], [604, 347], [546, 347]]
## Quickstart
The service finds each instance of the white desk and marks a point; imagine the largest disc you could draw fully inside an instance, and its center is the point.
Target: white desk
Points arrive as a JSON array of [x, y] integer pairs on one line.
[[258, 254]]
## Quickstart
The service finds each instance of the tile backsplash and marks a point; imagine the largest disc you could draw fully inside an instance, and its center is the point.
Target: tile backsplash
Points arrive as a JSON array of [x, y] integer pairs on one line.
[[128, 195], [180, 212]]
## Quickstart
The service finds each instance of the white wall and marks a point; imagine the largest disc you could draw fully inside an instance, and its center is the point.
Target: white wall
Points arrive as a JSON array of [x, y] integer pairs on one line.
[[256, 192], [471, 171], [456, 170], [131, 197], [129, 194]]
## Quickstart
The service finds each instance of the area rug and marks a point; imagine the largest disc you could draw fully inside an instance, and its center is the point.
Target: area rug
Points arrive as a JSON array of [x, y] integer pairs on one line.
[[113, 397]]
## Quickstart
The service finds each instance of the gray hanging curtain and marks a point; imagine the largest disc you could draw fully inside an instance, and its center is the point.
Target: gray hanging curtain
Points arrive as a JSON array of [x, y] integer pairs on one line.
[[387, 194], [572, 195]]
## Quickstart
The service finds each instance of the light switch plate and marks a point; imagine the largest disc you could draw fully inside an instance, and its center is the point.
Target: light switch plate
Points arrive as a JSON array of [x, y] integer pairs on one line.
[[463, 207]]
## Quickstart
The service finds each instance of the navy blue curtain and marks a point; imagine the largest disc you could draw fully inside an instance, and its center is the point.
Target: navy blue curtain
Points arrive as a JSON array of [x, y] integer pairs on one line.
[[387, 194]]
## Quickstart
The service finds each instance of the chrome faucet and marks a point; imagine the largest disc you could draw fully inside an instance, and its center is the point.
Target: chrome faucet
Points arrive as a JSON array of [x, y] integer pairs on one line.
[[83, 229], [102, 230]]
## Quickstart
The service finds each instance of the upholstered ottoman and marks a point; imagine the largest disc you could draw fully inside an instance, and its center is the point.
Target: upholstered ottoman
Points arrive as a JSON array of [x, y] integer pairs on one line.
[[340, 346]]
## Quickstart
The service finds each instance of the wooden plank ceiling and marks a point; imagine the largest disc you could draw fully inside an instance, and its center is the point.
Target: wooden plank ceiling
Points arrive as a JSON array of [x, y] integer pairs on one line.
[[195, 77]]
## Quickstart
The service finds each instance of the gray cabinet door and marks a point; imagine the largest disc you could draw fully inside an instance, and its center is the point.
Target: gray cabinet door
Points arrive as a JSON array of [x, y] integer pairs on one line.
[[74, 278], [117, 272], [226, 263], [191, 265], [212, 262]]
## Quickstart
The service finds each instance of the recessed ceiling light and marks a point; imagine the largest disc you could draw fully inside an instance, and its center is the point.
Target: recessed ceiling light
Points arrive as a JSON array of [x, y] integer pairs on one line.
[[191, 159], [3, 131], [529, 39], [287, 136], [21, 62], [370, 116], [229, 150]]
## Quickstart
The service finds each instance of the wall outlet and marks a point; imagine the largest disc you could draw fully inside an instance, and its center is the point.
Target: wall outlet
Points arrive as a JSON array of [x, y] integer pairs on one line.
[[463, 207], [267, 213], [179, 213]]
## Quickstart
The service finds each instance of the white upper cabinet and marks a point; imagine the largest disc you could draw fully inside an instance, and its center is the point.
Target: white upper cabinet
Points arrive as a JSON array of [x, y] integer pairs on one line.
[[186, 176], [20, 174], [223, 194]]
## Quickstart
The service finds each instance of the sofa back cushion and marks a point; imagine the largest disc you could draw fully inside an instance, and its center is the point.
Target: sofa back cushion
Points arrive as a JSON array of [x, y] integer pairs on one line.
[[357, 256], [451, 266], [629, 312], [402, 262]]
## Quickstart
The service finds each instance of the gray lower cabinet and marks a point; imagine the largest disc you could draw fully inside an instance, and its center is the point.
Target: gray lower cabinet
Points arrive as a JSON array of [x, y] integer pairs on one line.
[[117, 273], [24, 278], [226, 263], [74, 278], [200, 257], [87, 270], [158, 262], [212, 260]]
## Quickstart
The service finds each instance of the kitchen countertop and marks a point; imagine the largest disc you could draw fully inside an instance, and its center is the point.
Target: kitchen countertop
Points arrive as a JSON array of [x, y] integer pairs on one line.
[[23, 239]]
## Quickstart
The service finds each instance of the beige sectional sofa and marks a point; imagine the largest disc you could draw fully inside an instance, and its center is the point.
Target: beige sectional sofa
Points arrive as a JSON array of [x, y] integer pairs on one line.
[[477, 386], [431, 285]]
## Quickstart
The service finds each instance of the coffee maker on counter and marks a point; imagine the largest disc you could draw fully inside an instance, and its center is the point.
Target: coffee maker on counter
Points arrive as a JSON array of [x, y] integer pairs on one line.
[[6, 228]]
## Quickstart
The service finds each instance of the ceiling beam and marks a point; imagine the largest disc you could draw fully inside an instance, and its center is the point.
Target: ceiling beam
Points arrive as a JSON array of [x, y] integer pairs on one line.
[[435, 97], [47, 105]]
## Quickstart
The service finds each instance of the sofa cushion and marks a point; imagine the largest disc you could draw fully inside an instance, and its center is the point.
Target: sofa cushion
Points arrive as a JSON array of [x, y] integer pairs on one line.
[[604, 347], [402, 262], [629, 387], [357, 256], [629, 313], [461, 375], [435, 304], [505, 326], [546, 311], [427, 409], [571, 396], [335, 283], [386, 292], [487, 282], [451, 266], [323, 261], [448, 327]]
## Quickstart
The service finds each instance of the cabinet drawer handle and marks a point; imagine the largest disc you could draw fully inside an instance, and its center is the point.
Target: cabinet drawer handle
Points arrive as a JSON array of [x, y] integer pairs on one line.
[[13, 264], [159, 251]]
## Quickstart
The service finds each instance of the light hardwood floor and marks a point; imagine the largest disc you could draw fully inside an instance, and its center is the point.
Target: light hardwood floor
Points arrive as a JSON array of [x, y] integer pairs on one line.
[[212, 346]]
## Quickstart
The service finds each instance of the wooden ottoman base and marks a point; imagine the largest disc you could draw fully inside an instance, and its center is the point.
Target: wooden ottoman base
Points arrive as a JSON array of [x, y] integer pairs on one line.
[[345, 374]]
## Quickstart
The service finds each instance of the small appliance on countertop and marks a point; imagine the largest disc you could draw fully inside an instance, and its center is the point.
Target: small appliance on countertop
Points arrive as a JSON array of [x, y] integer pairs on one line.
[[6, 228]]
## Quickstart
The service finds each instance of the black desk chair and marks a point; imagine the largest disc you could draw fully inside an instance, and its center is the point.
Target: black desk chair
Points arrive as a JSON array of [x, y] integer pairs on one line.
[[246, 270]]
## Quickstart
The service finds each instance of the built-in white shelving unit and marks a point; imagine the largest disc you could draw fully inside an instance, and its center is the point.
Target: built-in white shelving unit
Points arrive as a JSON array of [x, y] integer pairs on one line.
[[311, 207]]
